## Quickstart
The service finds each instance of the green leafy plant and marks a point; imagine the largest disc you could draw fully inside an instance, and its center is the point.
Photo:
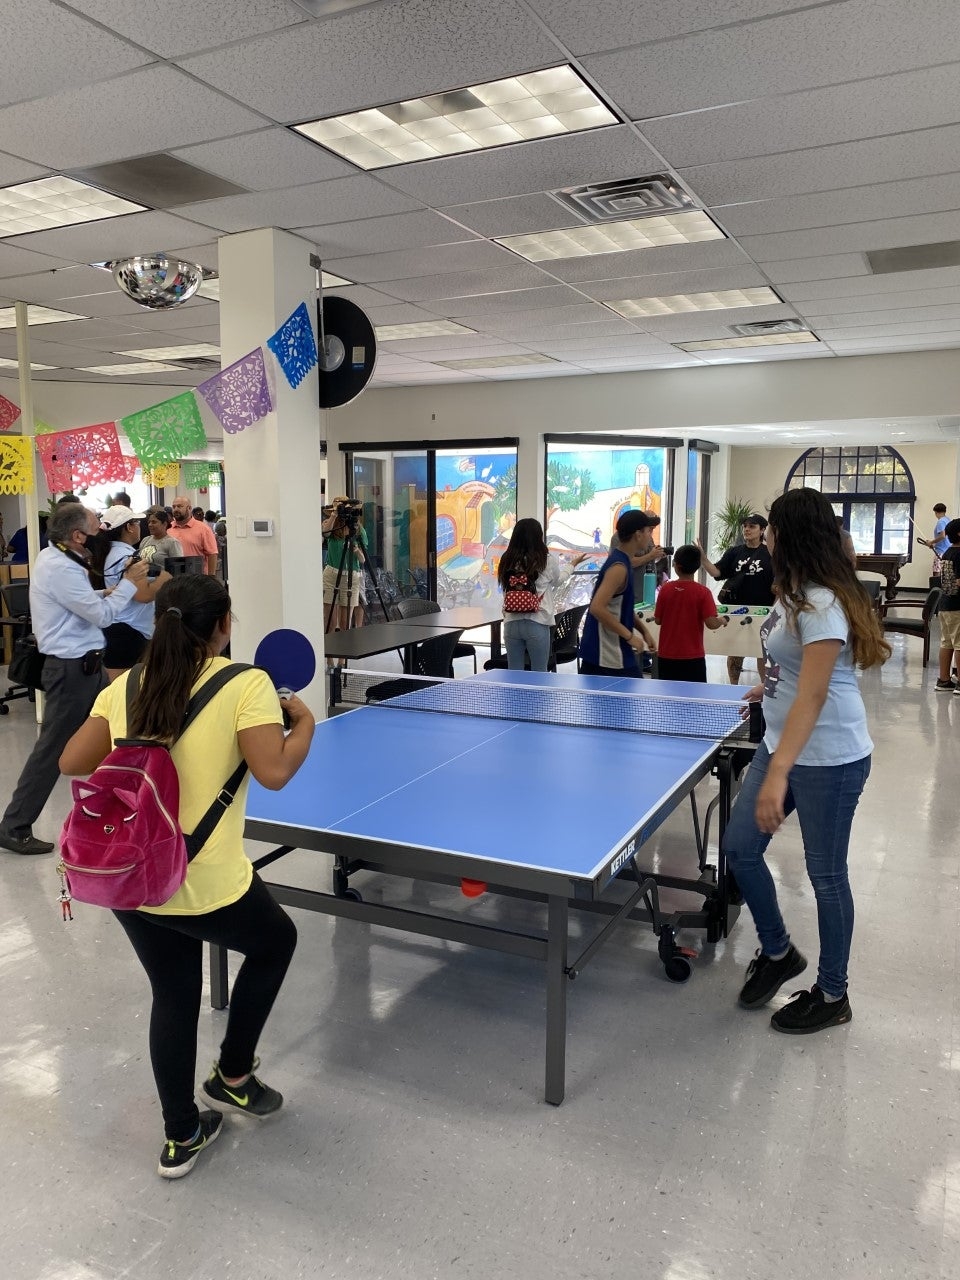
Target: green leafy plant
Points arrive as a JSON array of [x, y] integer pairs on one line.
[[728, 521], [567, 488]]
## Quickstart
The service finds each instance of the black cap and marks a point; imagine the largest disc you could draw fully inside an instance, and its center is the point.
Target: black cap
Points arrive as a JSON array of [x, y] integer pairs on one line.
[[631, 520], [755, 518]]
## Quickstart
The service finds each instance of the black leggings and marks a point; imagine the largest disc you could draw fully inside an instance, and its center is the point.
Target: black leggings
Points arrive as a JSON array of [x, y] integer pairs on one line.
[[170, 948]]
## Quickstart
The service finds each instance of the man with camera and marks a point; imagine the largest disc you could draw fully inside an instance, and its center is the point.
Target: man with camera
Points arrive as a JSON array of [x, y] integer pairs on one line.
[[195, 536], [347, 542], [68, 618]]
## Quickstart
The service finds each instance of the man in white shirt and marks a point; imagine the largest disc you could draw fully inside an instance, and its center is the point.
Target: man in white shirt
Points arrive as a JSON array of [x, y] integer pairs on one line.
[[68, 617]]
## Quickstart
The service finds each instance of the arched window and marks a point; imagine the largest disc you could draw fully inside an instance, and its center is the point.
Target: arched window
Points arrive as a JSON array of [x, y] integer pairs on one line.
[[870, 486]]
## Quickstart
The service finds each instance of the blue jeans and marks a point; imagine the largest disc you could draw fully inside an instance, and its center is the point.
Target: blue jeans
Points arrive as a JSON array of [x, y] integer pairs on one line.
[[523, 636], [825, 798]]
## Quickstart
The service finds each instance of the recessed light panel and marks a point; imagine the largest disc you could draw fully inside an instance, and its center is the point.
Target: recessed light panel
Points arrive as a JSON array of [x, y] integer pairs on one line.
[[615, 237], [679, 303], [36, 315], [134, 366], [496, 362], [12, 364], [56, 202], [767, 340], [191, 349], [420, 329], [537, 105]]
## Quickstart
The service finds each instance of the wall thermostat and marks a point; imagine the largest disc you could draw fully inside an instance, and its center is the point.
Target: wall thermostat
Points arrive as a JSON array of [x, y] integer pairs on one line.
[[261, 528]]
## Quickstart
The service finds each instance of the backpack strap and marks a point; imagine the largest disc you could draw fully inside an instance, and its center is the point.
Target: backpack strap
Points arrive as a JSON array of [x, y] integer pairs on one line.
[[225, 796]]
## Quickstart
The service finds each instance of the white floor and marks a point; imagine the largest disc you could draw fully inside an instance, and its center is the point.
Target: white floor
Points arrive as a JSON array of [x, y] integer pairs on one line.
[[694, 1142]]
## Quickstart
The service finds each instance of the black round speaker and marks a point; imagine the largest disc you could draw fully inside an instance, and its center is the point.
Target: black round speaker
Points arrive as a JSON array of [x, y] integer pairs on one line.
[[348, 351]]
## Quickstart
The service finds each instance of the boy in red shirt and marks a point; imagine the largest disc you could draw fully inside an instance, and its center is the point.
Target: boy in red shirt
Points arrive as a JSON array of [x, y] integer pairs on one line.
[[684, 608]]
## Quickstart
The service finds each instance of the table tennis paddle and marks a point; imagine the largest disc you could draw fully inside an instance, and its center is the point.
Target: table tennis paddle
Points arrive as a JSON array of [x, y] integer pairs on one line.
[[287, 657]]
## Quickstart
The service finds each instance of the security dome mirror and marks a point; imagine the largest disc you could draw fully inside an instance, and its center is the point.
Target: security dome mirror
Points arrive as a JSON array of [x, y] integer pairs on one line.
[[155, 281]]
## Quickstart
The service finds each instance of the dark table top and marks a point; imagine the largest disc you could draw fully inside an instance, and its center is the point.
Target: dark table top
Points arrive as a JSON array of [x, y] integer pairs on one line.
[[380, 637]]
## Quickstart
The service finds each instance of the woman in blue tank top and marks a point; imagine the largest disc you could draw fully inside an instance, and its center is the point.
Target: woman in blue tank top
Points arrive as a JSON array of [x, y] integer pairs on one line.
[[612, 635]]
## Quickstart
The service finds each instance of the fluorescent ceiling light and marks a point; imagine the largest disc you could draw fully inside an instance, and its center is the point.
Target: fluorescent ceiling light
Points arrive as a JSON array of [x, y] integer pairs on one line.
[[765, 340], [134, 366], [615, 237], [12, 364], [537, 105], [56, 202], [188, 351], [495, 362], [36, 315], [420, 329], [680, 302]]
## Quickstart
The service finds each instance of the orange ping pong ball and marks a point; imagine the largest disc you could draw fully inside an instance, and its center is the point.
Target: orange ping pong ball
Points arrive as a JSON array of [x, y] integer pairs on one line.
[[473, 888]]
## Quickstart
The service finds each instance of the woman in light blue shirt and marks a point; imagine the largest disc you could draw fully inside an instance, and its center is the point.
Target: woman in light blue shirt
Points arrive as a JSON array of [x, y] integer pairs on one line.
[[814, 758]]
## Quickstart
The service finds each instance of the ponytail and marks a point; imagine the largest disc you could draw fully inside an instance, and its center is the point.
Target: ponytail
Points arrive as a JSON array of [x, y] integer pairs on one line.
[[187, 611]]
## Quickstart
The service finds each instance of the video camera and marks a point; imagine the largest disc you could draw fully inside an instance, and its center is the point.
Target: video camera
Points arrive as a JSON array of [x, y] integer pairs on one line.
[[349, 513], [153, 569]]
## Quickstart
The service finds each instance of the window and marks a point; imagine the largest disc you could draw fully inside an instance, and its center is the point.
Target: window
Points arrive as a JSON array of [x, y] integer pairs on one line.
[[871, 489]]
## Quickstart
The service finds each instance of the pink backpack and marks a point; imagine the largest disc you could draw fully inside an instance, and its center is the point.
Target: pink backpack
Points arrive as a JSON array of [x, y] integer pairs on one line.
[[121, 846]]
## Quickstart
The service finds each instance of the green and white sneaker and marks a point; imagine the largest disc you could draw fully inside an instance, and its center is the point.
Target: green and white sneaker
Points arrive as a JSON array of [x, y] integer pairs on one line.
[[178, 1158], [251, 1098]]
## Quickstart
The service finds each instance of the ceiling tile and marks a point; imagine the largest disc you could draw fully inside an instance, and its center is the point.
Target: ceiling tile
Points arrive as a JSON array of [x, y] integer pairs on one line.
[[13, 170], [382, 235], [778, 55], [151, 110], [695, 326], [49, 287], [596, 334], [500, 303], [366, 299], [881, 304], [403, 264], [836, 319], [536, 322], [377, 56], [47, 49], [855, 329], [514, 216], [857, 237], [872, 108], [930, 283], [357, 196], [527, 167], [399, 313], [265, 160], [615, 23], [832, 208], [112, 237], [464, 284], [187, 26], [888, 160], [20, 262], [831, 267]]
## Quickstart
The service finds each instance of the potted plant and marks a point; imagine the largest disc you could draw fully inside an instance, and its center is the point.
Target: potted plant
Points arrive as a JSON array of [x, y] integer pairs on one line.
[[728, 521]]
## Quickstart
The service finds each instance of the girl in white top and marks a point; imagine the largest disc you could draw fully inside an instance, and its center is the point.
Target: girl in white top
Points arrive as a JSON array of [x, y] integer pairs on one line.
[[528, 634]]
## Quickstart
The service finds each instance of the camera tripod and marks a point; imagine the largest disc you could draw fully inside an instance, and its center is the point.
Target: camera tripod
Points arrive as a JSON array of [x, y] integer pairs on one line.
[[352, 547]]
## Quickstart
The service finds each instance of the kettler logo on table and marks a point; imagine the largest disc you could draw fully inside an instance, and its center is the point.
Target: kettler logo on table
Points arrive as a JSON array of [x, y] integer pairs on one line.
[[624, 854]]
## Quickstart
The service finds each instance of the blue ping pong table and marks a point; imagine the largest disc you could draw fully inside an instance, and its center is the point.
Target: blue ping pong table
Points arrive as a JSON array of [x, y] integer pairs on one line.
[[397, 790]]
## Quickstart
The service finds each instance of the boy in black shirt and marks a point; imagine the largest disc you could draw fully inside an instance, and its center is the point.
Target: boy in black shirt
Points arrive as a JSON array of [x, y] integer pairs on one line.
[[748, 579]]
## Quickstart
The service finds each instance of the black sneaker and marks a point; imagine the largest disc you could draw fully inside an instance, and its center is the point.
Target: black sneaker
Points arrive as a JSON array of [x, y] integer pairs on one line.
[[252, 1098], [807, 1011], [945, 686], [24, 844], [178, 1158], [765, 977]]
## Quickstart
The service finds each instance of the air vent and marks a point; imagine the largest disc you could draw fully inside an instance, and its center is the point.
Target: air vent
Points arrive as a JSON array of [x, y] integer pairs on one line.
[[759, 328], [197, 364], [160, 181], [629, 198], [914, 257]]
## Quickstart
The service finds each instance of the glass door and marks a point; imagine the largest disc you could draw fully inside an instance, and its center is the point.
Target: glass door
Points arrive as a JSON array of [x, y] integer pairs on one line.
[[475, 493], [393, 489]]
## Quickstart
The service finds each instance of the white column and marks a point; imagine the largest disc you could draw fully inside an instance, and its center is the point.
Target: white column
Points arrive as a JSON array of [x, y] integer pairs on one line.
[[273, 469]]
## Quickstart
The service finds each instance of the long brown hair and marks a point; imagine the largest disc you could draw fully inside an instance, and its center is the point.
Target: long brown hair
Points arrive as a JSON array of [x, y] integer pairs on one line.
[[526, 553], [187, 609], [807, 551]]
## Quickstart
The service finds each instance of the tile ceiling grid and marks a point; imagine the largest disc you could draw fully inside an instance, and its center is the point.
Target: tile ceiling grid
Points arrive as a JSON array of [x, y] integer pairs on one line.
[[812, 132]]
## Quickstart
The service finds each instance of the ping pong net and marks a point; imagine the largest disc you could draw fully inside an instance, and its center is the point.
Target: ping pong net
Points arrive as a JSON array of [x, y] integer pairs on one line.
[[549, 704]]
